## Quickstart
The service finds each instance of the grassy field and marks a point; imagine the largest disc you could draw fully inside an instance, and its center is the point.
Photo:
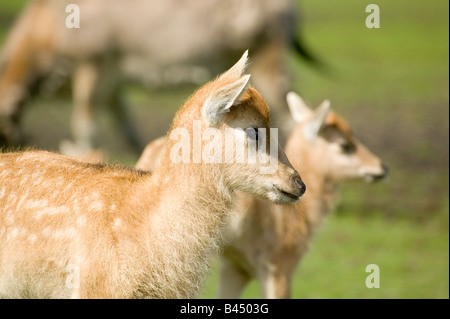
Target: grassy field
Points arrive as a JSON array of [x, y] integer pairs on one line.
[[392, 85], [412, 257]]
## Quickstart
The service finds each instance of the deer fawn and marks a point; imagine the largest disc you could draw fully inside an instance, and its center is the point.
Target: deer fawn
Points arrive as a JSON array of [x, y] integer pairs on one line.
[[165, 38], [266, 241], [75, 229]]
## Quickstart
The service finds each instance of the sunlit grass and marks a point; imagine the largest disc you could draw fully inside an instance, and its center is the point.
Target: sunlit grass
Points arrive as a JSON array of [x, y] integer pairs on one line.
[[413, 259]]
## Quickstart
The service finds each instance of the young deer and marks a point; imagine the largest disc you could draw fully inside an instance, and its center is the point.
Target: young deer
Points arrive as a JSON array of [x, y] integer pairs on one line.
[[75, 229], [267, 241]]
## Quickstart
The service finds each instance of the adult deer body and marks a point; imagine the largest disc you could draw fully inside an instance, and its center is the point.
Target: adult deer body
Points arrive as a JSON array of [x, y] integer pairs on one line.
[[147, 40], [266, 241], [123, 233]]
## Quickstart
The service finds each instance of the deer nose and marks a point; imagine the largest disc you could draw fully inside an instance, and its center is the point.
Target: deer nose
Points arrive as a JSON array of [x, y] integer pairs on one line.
[[301, 186], [385, 169], [383, 174]]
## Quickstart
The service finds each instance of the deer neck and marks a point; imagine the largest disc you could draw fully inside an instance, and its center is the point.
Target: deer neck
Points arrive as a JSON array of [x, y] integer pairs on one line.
[[321, 194], [184, 227]]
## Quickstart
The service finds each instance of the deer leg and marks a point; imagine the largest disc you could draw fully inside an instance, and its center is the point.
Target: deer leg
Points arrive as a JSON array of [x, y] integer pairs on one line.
[[84, 84], [113, 97], [120, 111], [10, 130], [16, 77], [275, 285], [232, 281]]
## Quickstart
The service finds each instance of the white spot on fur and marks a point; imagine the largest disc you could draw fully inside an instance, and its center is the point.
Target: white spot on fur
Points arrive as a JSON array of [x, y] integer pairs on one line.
[[81, 221], [15, 232], [51, 211], [47, 231], [33, 204], [97, 205], [117, 223], [32, 238], [9, 218], [4, 173], [34, 176], [69, 232]]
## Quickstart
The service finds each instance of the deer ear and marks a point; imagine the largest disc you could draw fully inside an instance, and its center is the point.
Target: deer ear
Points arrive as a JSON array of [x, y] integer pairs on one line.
[[220, 101], [317, 121], [299, 109], [237, 70]]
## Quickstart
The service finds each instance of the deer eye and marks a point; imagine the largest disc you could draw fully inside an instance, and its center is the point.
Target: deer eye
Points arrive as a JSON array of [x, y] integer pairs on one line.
[[348, 147], [252, 132]]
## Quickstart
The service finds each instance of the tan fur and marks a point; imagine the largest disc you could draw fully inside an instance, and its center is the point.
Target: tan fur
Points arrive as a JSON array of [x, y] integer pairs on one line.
[[151, 156], [167, 42], [129, 233], [266, 241], [92, 156]]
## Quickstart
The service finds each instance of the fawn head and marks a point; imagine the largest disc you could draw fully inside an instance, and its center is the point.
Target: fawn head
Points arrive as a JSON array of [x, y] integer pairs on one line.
[[229, 132], [328, 138]]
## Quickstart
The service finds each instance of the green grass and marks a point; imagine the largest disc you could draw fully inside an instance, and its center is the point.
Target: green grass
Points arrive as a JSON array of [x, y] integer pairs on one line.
[[11, 7], [392, 85], [8, 11], [413, 261]]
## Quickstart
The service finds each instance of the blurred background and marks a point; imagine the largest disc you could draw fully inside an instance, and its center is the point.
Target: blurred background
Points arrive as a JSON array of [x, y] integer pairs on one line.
[[392, 85]]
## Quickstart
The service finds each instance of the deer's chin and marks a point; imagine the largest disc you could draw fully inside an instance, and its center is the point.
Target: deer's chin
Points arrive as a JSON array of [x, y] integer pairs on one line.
[[281, 197], [374, 178], [376, 174]]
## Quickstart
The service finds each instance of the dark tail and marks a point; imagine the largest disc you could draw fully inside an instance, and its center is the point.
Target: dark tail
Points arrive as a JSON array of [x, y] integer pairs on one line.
[[306, 54], [303, 51]]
